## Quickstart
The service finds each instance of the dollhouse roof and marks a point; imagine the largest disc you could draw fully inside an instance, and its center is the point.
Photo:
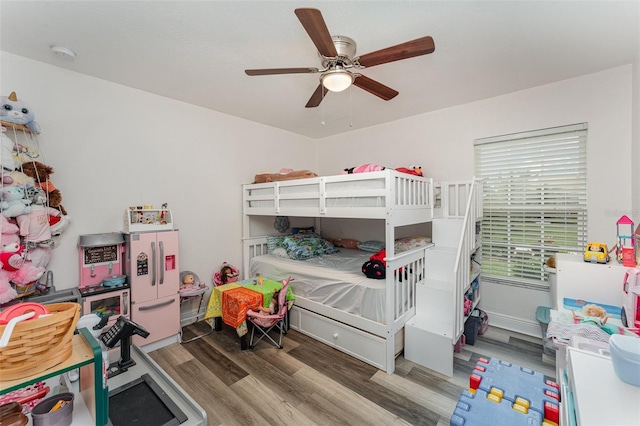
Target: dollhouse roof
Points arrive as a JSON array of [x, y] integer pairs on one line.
[[624, 220]]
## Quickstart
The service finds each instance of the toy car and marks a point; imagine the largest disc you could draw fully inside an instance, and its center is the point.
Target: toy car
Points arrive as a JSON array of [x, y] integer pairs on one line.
[[596, 253]]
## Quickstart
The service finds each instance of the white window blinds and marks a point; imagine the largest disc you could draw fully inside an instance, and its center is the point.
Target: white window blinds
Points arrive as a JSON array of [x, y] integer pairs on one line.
[[535, 201]]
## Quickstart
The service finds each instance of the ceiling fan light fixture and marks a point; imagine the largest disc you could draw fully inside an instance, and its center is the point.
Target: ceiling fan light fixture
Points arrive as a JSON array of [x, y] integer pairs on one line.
[[336, 80]]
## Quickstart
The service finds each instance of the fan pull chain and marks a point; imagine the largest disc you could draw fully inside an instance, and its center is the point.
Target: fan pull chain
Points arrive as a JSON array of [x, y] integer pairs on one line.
[[350, 109], [322, 107]]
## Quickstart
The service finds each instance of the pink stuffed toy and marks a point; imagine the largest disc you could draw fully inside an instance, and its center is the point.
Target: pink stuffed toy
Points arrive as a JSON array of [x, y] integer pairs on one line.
[[12, 257], [8, 237], [14, 268], [7, 293], [363, 169]]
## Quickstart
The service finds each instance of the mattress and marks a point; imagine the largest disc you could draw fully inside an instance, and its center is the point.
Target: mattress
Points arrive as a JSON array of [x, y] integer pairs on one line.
[[335, 280]]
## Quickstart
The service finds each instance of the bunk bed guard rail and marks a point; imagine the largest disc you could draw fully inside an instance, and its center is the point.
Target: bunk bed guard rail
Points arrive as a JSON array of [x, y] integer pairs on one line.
[[375, 193]]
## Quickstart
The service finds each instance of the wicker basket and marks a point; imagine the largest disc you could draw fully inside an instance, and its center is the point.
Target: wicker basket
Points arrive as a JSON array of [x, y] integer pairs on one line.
[[39, 344]]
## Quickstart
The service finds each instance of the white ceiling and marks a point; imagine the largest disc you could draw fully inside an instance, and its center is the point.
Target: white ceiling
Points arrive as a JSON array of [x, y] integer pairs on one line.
[[197, 51]]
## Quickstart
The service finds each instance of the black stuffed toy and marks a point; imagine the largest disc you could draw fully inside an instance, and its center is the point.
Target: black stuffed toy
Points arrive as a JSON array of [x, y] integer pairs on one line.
[[376, 267]]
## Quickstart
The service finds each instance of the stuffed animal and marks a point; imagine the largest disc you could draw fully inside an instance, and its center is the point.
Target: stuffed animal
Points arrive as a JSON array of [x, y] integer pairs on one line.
[[13, 110], [59, 224], [8, 237], [376, 266], [20, 179], [273, 177], [412, 170], [348, 243], [14, 202], [7, 292], [7, 159], [12, 257], [41, 174], [364, 168], [34, 225], [39, 256]]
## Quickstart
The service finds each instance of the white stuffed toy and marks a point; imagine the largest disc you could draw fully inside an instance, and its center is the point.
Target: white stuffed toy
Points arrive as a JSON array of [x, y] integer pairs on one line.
[[14, 110], [7, 153], [13, 202]]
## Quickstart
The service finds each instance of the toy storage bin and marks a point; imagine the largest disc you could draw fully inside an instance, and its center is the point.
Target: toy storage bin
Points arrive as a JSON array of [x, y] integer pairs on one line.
[[543, 315], [42, 415], [471, 327], [625, 356]]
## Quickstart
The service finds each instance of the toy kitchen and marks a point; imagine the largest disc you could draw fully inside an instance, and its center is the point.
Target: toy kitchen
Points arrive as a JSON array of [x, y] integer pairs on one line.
[[103, 286], [134, 276]]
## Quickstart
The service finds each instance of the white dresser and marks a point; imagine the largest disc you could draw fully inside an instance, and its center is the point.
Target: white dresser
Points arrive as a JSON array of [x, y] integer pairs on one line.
[[595, 394]]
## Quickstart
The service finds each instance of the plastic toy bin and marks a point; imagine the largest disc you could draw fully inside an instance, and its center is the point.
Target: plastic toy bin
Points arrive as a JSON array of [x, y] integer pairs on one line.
[[43, 416]]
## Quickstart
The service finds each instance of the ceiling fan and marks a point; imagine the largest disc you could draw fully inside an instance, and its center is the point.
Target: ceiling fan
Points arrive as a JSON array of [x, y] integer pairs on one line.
[[338, 58]]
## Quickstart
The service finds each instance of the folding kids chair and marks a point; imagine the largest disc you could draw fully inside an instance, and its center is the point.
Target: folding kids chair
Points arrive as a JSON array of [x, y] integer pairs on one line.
[[265, 322]]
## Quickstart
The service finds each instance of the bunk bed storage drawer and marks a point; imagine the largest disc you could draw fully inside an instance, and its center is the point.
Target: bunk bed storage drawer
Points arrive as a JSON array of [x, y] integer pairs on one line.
[[357, 343]]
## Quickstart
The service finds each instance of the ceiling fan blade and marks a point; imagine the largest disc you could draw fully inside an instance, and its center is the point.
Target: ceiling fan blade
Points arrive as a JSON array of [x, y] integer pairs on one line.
[[271, 71], [312, 21], [410, 49], [317, 97], [375, 88]]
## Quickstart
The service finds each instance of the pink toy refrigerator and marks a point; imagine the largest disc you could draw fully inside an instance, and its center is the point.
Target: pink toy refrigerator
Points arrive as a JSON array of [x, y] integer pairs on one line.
[[152, 265]]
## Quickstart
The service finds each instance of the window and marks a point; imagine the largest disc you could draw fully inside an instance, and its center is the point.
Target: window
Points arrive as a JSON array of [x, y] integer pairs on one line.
[[534, 200]]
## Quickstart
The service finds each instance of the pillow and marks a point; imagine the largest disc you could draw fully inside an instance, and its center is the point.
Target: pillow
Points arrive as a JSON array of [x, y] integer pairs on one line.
[[346, 243], [306, 246], [371, 246], [408, 243], [280, 252]]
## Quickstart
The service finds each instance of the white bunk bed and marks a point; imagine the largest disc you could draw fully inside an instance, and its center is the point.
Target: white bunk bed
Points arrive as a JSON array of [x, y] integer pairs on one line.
[[399, 199]]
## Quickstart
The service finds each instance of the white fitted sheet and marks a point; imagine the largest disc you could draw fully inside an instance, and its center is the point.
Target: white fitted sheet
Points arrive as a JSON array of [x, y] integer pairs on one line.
[[335, 280]]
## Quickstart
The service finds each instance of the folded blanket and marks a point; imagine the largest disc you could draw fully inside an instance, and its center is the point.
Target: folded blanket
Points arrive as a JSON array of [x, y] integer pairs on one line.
[[273, 177], [563, 332]]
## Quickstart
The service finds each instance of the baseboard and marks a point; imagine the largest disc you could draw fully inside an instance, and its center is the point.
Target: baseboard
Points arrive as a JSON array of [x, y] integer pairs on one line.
[[161, 343], [518, 325]]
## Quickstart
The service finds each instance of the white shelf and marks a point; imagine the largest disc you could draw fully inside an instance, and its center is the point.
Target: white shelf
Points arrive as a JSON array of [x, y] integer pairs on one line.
[[148, 220]]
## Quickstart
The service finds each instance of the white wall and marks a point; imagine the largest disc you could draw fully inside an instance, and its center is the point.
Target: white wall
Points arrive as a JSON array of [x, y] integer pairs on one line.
[[112, 146], [442, 142]]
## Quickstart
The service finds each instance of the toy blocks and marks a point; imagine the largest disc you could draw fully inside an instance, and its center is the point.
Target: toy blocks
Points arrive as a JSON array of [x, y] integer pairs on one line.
[[486, 409], [504, 390]]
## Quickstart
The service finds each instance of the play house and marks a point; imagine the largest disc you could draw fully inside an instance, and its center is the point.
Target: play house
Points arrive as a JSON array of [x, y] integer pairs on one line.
[[626, 242]]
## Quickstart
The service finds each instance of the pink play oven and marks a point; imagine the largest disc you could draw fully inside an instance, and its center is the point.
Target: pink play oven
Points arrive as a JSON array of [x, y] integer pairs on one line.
[[630, 314], [103, 286]]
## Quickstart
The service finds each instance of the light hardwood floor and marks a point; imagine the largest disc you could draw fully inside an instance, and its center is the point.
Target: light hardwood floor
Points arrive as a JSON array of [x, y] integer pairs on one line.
[[309, 383]]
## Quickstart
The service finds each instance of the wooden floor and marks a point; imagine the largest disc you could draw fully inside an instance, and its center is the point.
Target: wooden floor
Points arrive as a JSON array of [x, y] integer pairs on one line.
[[309, 383]]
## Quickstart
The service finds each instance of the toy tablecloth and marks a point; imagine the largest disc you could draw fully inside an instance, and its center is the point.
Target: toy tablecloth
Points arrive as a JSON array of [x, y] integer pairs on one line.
[[236, 302]]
